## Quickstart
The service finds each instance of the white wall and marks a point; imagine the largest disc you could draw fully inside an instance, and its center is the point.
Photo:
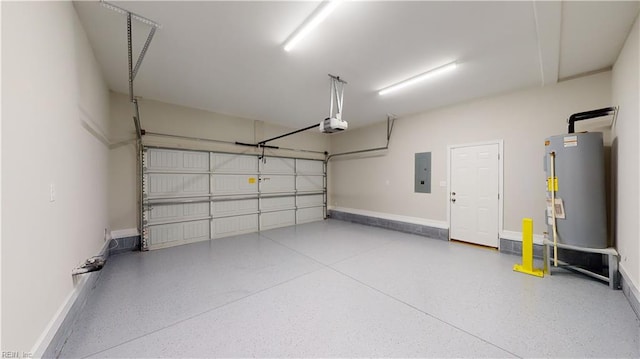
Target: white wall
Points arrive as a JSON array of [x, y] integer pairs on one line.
[[54, 113], [166, 118], [384, 183], [626, 95]]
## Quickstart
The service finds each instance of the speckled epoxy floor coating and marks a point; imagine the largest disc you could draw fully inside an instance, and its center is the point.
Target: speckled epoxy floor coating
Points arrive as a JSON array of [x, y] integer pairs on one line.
[[337, 289]]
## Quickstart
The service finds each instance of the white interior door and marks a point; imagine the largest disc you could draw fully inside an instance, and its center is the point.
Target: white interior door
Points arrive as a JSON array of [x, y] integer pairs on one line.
[[474, 207]]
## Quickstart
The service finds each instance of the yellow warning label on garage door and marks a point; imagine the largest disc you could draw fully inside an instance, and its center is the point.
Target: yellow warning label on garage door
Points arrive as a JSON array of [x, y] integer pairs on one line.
[[252, 180]]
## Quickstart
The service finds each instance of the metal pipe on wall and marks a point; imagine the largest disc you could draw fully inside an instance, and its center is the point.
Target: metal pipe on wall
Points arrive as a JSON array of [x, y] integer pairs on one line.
[[391, 119], [390, 122]]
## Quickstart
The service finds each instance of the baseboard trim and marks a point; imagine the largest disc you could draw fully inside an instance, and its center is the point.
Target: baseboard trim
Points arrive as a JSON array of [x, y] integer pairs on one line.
[[630, 291], [59, 328], [124, 244], [393, 217], [396, 225]]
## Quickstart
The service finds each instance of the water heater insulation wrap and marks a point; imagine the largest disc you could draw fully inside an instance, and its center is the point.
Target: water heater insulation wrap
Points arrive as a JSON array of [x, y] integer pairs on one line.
[[579, 169]]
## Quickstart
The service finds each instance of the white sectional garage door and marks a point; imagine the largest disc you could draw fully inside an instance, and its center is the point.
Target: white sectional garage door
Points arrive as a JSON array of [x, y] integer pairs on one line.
[[192, 196]]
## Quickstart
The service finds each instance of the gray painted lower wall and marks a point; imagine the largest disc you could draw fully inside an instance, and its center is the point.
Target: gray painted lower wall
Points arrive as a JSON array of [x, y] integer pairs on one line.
[[121, 245], [631, 297], [115, 246], [506, 245], [419, 229], [515, 247]]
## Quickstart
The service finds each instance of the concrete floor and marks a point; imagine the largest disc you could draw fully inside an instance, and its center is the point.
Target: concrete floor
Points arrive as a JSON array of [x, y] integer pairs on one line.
[[337, 289]]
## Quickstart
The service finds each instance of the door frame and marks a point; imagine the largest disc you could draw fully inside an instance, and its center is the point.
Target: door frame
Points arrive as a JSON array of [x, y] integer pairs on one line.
[[500, 144]]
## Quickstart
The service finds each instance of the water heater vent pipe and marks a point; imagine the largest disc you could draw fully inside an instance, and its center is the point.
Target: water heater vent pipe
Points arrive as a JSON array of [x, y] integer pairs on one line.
[[589, 114]]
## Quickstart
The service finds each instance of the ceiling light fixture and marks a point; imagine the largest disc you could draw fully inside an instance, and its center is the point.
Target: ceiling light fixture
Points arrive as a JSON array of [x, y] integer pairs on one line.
[[312, 21], [415, 79]]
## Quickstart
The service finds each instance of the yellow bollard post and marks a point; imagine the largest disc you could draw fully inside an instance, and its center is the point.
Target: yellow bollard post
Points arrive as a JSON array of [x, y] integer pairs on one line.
[[527, 250]]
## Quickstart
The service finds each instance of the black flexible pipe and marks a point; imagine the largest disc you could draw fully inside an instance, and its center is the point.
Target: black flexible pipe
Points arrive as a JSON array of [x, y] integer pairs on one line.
[[587, 115]]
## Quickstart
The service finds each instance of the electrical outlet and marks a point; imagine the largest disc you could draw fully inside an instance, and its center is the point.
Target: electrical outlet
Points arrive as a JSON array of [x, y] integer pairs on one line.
[[52, 193]]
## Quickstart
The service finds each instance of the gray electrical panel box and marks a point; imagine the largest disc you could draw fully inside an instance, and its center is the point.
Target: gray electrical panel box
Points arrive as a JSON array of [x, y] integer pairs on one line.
[[423, 172]]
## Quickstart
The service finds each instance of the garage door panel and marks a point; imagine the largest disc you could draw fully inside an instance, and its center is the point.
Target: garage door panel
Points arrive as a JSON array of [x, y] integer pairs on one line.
[[234, 207], [162, 234], [272, 220], [175, 160], [195, 161], [277, 184], [166, 235], [195, 184], [310, 183], [196, 230], [231, 226], [234, 184], [239, 193], [166, 184], [310, 201], [278, 165], [277, 203], [170, 212], [312, 214], [229, 163], [309, 167]]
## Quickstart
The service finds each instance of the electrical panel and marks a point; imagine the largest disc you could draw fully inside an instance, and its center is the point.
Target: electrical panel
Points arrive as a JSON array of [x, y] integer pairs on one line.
[[423, 172]]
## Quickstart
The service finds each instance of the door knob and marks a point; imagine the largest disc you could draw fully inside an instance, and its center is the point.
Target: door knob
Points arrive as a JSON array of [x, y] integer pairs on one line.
[[453, 193], [453, 200]]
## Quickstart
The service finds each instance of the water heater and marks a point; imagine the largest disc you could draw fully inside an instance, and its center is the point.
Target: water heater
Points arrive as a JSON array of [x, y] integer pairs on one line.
[[577, 160]]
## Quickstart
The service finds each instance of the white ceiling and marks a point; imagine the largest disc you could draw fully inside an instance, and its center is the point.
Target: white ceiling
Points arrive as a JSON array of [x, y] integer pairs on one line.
[[227, 57]]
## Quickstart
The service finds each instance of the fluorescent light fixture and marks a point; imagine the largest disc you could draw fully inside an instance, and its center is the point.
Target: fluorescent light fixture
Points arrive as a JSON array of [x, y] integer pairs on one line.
[[319, 15], [414, 80]]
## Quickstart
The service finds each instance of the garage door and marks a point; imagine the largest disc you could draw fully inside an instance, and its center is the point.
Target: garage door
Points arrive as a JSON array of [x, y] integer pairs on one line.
[[192, 196]]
